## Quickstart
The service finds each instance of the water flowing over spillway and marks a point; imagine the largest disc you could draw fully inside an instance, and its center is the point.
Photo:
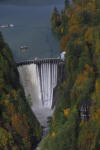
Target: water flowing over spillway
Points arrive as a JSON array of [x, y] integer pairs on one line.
[[39, 81]]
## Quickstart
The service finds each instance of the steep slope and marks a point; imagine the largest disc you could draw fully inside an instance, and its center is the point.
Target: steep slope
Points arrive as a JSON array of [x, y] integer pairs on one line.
[[19, 129], [75, 123]]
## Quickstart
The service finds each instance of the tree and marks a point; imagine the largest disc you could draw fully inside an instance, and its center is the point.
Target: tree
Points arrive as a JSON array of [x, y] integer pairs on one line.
[[55, 20], [67, 4]]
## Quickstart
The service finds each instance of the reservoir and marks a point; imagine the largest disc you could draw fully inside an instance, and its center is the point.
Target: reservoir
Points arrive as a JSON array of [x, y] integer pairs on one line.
[[31, 20]]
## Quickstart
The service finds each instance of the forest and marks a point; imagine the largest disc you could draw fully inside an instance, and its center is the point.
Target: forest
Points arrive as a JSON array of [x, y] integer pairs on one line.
[[75, 124], [19, 128]]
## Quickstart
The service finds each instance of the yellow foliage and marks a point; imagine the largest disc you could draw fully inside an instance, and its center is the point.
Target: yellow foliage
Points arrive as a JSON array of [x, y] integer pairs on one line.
[[5, 137], [53, 133], [14, 94], [91, 6], [88, 35], [62, 30], [96, 94], [89, 68], [6, 101], [4, 140], [82, 123], [97, 86], [96, 115], [64, 42], [66, 112], [99, 142], [82, 78], [99, 110]]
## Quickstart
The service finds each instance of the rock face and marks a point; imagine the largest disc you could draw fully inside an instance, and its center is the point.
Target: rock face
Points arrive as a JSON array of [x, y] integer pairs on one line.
[[19, 128], [61, 78]]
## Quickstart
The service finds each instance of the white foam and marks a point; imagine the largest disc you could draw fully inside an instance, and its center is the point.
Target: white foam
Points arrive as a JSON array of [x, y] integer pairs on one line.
[[39, 81]]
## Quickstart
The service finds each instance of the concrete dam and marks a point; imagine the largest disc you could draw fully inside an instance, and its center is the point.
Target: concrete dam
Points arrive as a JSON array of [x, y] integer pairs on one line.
[[39, 78]]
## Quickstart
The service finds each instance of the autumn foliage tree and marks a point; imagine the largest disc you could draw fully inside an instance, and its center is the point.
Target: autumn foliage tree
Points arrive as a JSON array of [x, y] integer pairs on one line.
[[80, 39]]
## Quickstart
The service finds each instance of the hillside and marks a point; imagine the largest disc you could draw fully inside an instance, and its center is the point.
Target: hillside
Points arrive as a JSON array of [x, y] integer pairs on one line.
[[75, 123], [19, 129]]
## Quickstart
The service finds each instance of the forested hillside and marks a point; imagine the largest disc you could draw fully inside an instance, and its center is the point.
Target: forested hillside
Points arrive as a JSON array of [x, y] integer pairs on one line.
[[75, 123], [19, 129]]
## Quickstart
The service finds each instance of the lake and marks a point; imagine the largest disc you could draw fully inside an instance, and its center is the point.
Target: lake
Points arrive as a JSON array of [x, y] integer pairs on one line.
[[32, 28]]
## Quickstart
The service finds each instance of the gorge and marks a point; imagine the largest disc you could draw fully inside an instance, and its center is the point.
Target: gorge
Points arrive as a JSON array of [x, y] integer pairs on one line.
[[75, 122], [39, 78]]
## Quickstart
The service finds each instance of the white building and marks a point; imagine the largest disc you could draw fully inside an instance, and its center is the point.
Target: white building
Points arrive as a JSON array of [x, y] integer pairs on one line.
[[62, 55]]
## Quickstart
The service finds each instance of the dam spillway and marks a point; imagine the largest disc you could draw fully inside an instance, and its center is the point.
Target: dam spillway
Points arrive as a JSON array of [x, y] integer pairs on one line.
[[39, 78]]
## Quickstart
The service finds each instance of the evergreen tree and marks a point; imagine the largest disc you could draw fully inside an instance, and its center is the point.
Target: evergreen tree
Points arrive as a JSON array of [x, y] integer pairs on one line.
[[66, 3]]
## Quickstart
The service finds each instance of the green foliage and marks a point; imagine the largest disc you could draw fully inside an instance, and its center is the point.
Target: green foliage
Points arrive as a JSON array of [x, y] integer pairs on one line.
[[67, 4], [81, 41], [19, 128], [65, 137]]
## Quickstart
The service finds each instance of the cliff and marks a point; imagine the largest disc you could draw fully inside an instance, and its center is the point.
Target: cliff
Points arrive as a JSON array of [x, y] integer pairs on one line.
[[75, 123], [19, 129]]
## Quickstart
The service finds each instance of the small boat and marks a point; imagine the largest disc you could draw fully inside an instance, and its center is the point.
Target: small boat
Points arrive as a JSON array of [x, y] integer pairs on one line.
[[24, 47], [4, 26], [11, 25]]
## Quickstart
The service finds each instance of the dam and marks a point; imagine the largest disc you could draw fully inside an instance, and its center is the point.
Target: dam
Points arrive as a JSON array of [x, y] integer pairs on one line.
[[39, 77]]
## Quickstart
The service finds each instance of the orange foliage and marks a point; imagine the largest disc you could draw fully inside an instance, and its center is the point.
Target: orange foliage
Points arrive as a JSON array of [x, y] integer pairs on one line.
[[75, 29], [7, 99], [99, 142], [25, 121], [64, 42], [11, 109], [48, 135], [89, 68], [15, 121], [88, 136], [53, 133], [73, 21]]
